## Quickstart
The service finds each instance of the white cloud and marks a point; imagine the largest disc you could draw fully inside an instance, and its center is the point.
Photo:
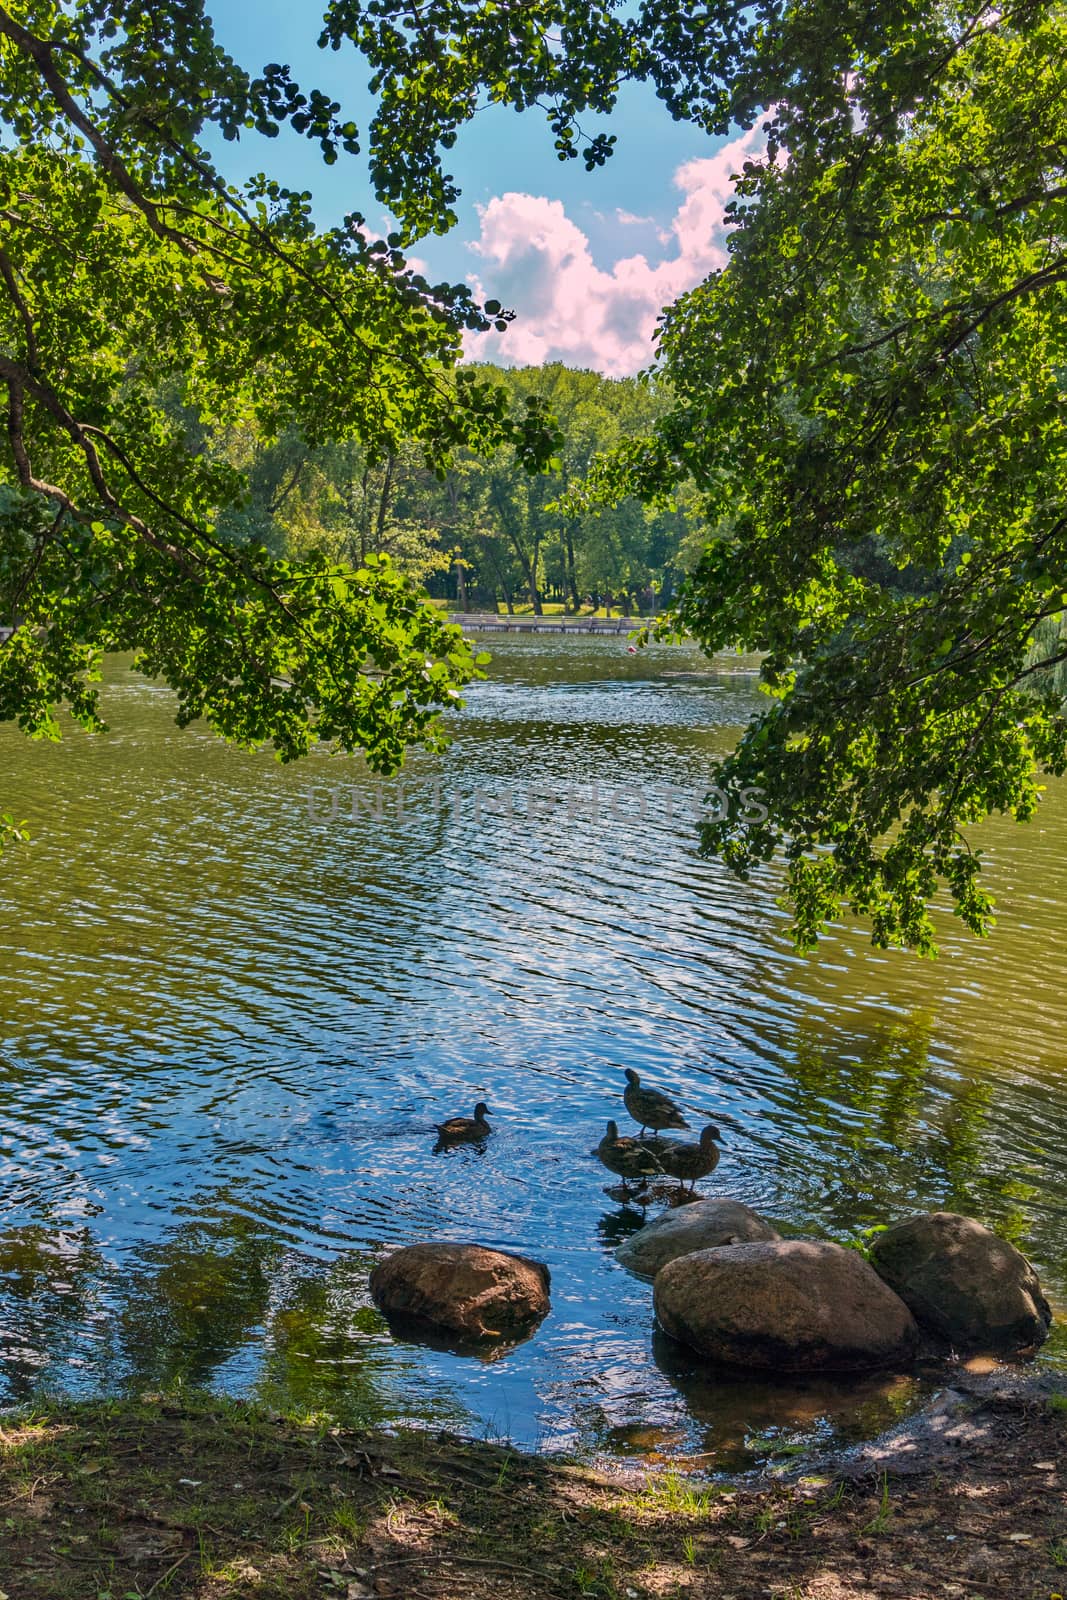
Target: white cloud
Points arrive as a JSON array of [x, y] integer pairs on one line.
[[537, 260]]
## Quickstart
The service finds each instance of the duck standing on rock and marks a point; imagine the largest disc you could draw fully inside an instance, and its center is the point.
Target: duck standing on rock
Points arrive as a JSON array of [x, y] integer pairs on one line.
[[648, 1107], [626, 1156], [684, 1160], [459, 1130]]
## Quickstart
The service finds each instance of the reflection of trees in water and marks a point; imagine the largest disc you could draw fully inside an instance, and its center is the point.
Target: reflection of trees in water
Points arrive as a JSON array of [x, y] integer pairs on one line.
[[328, 1348], [190, 1302], [184, 1307], [878, 1128], [50, 1304], [881, 1076]]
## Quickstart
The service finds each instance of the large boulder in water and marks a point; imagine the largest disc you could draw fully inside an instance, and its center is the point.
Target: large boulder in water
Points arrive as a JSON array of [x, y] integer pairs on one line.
[[700, 1226], [963, 1282], [466, 1290], [790, 1305]]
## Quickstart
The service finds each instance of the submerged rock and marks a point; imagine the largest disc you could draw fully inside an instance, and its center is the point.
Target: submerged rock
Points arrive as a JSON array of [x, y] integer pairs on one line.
[[463, 1289], [963, 1282], [700, 1226], [791, 1305]]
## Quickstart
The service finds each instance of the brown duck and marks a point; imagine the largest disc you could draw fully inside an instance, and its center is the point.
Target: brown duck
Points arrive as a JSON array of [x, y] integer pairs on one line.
[[627, 1156], [457, 1129], [648, 1107], [686, 1161]]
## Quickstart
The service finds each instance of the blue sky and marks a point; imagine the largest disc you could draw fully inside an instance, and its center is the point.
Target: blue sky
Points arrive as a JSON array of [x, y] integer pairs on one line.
[[586, 259]]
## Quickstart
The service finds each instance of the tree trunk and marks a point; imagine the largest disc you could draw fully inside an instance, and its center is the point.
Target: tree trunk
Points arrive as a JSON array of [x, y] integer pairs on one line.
[[572, 576], [527, 563], [363, 514], [531, 582], [383, 504], [503, 582]]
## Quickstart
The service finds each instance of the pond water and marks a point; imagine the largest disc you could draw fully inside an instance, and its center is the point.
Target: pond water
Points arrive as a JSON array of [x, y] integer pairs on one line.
[[230, 1015]]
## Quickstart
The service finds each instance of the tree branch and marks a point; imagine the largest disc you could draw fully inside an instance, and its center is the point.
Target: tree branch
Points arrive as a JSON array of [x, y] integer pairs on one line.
[[7, 272], [40, 52]]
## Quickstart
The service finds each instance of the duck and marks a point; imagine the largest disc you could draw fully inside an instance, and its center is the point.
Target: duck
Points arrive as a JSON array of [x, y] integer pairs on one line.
[[682, 1159], [459, 1128], [626, 1156], [648, 1107]]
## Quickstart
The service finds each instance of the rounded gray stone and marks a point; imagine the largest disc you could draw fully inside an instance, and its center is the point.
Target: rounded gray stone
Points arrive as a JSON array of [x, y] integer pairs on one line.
[[700, 1226], [791, 1305], [963, 1282]]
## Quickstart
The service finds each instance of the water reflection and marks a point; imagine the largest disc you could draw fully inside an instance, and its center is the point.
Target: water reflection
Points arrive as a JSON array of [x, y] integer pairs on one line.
[[898, 1132], [190, 1305], [194, 1299], [49, 1311], [327, 1348], [773, 1416], [615, 1227], [227, 1029]]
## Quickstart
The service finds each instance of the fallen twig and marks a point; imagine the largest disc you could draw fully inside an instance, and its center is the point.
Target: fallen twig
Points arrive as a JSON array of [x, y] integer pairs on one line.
[[468, 1561], [286, 1503], [168, 1574]]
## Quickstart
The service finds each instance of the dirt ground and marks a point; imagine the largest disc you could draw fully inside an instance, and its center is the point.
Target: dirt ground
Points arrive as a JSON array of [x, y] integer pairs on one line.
[[212, 1500]]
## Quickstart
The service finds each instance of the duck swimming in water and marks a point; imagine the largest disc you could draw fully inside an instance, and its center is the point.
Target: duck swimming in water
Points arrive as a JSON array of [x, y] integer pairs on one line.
[[457, 1129], [684, 1160], [648, 1107]]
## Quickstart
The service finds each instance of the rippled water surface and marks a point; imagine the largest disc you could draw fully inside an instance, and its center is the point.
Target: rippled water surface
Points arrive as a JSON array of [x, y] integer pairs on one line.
[[231, 1012]]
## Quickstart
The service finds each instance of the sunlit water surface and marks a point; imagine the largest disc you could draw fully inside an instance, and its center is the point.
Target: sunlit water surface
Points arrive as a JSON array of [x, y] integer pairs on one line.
[[231, 1012]]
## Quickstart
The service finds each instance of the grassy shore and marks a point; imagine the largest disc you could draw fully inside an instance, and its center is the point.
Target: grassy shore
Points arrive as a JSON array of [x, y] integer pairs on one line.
[[217, 1500], [549, 608]]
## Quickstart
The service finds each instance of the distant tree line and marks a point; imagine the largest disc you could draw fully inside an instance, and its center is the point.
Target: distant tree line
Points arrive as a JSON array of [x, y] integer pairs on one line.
[[484, 531]]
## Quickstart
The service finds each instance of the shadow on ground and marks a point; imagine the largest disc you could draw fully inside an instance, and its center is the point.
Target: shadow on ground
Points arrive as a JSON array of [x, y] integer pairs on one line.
[[211, 1500]]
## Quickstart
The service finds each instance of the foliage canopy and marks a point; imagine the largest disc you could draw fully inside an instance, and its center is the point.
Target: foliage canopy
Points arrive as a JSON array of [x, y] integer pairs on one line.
[[888, 466], [133, 276], [869, 399]]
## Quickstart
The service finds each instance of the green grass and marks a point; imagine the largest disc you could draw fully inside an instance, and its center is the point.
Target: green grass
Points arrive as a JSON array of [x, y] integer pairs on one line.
[[672, 1492], [884, 1515]]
